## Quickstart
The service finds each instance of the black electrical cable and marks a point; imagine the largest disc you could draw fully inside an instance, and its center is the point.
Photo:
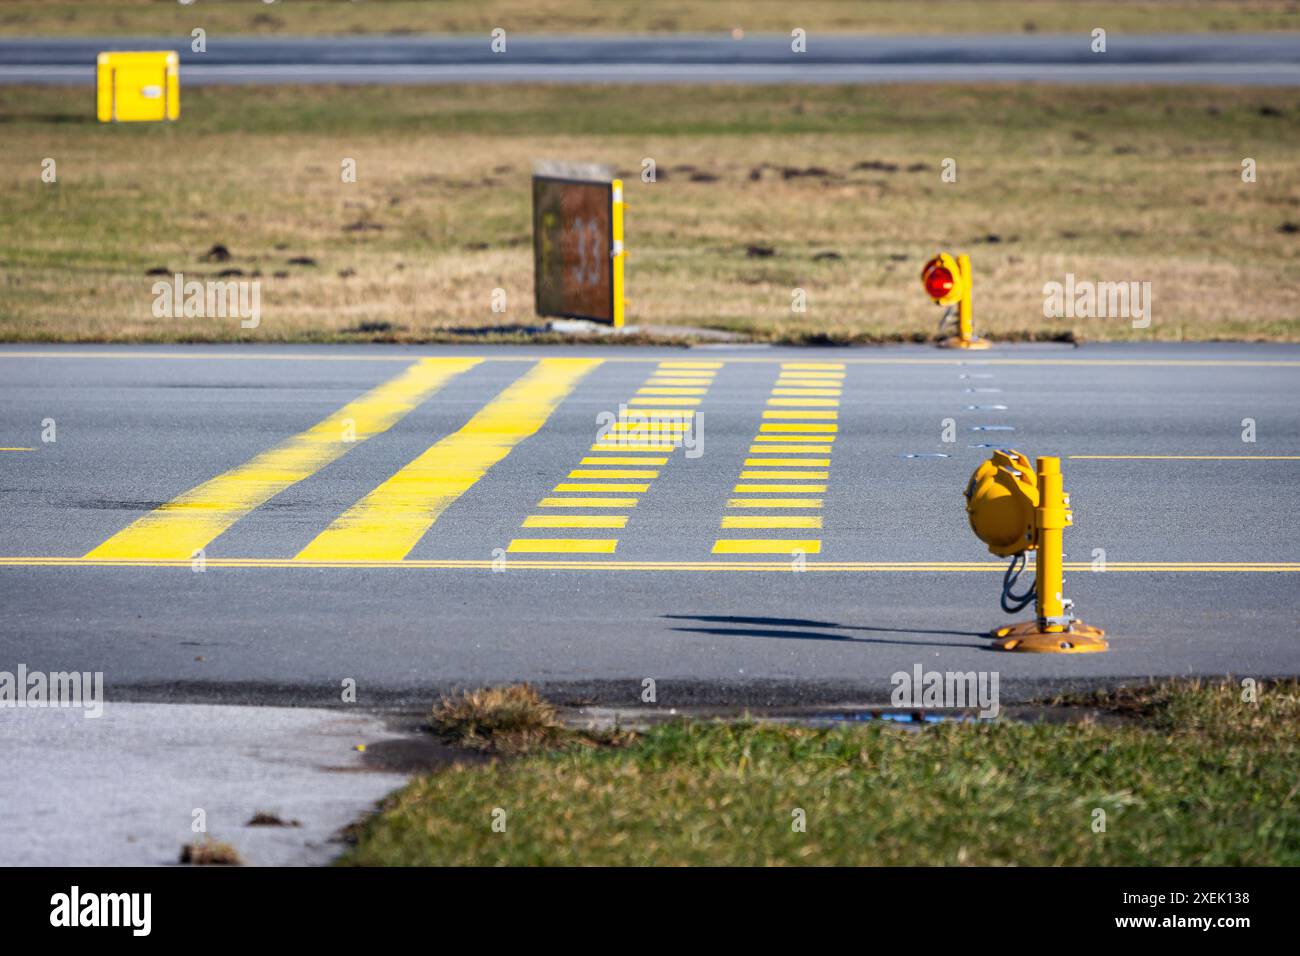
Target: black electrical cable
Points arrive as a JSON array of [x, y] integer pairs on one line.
[[1013, 603]]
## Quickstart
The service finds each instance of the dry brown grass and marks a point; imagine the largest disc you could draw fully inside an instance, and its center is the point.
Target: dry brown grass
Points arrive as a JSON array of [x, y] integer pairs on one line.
[[151, 17], [209, 852], [1108, 184]]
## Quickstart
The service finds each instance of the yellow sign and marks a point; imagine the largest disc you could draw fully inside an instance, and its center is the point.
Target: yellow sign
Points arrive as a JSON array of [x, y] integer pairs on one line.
[[138, 87]]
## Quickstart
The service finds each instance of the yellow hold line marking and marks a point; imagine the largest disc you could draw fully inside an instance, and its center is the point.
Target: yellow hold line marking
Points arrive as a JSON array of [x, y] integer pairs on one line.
[[986, 567], [575, 521], [563, 546], [781, 462], [613, 473], [192, 520], [391, 520], [766, 546], [588, 502], [772, 521]]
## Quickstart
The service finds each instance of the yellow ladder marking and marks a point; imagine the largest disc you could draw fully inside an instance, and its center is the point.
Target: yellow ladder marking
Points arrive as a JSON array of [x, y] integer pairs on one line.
[[766, 546], [772, 521], [192, 520], [575, 521], [563, 545], [391, 520]]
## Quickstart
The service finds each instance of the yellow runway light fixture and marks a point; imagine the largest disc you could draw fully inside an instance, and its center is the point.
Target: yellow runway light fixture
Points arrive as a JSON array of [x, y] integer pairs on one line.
[[1014, 510], [948, 282], [140, 87]]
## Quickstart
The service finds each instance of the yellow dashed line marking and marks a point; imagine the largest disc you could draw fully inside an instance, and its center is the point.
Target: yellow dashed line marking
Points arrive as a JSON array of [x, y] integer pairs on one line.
[[772, 521], [766, 546], [575, 521], [588, 502], [777, 489], [563, 546]]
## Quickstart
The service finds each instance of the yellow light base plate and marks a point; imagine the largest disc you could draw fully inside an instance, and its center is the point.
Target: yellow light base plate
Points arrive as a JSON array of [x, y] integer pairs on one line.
[[1028, 638], [956, 342]]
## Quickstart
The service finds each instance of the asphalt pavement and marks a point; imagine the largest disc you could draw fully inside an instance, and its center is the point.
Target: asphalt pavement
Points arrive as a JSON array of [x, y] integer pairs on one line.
[[1237, 59], [474, 527]]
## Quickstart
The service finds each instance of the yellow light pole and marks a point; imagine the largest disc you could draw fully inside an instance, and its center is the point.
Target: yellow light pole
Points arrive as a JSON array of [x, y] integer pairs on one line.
[[1015, 511], [949, 282]]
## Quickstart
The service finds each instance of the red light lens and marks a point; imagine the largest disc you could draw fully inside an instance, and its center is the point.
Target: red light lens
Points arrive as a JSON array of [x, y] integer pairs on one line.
[[938, 282]]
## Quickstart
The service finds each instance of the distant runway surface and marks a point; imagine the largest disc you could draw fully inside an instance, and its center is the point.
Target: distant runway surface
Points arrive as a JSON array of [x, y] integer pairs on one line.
[[259, 522], [1232, 59]]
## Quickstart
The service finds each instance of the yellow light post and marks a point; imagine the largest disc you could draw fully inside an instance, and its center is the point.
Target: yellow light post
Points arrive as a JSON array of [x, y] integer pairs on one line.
[[138, 87], [1014, 510], [949, 282]]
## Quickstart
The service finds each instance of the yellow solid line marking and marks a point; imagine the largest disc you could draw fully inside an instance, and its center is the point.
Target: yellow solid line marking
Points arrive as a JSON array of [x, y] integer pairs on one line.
[[789, 449], [563, 546], [575, 521], [588, 502], [797, 427], [613, 473], [777, 489], [986, 567], [810, 416], [17, 449], [1187, 457], [772, 521], [766, 546], [785, 475], [623, 461], [805, 402], [774, 502], [781, 462], [601, 486], [796, 438], [192, 520], [663, 401], [391, 519]]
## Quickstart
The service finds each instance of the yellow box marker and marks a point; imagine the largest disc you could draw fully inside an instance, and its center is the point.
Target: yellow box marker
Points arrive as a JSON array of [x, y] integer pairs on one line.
[[600, 486], [804, 402], [814, 365], [387, 523], [613, 473], [138, 87], [784, 462], [631, 460], [575, 521], [766, 546], [192, 520], [563, 546], [795, 438], [789, 475], [670, 390], [588, 502], [778, 489], [791, 413], [789, 449], [772, 521], [808, 392], [774, 502], [797, 427]]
